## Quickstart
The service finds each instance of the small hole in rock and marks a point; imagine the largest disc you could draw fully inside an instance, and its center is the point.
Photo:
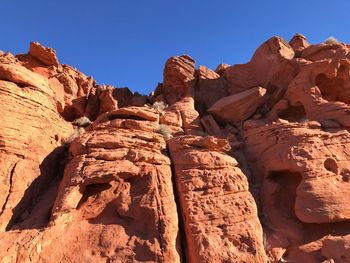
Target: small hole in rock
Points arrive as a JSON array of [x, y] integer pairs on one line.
[[331, 165]]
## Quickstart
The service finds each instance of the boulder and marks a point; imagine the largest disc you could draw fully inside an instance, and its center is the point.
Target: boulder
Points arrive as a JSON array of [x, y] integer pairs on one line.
[[323, 89], [178, 75], [298, 43], [24, 77], [44, 54], [238, 107]]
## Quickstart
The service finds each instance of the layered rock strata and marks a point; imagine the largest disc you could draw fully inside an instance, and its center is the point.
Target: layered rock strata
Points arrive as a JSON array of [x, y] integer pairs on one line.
[[245, 163]]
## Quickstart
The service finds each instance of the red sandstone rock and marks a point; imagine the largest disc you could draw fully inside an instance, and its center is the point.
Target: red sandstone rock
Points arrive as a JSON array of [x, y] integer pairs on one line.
[[137, 113], [321, 89], [114, 193], [111, 197], [24, 77], [337, 248], [322, 51], [30, 139], [298, 43], [209, 185], [238, 107], [314, 203], [272, 65], [220, 69], [178, 75], [7, 58], [126, 98], [43, 54], [182, 117], [136, 177], [210, 125], [206, 73], [210, 87], [303, 174]]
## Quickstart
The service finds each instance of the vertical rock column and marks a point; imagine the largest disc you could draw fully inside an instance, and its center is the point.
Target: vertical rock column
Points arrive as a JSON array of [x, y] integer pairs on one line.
[[118, 186], [219, 213]]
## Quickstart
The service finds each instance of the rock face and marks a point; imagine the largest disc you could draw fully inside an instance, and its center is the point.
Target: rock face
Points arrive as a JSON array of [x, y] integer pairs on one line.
[[30, 141], [247, 163], [218, 212], [118, 185]]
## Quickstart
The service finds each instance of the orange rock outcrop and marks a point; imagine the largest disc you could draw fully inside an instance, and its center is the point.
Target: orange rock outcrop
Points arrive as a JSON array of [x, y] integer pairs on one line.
[[245, 163]]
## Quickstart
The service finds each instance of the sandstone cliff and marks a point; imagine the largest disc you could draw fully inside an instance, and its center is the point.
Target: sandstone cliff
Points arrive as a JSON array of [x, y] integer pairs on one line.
[[247, 163]]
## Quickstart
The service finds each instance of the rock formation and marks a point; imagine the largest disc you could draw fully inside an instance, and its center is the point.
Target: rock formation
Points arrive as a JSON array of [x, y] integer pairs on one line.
[[247, 163]]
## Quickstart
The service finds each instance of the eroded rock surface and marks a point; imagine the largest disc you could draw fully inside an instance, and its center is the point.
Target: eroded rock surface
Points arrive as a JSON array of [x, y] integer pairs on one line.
[[117, 193], [238, 107], [247, 163], [219, 214]]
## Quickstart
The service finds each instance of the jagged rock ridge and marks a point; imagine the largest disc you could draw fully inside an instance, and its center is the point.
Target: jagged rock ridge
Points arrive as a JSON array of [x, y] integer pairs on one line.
[[247, 163]]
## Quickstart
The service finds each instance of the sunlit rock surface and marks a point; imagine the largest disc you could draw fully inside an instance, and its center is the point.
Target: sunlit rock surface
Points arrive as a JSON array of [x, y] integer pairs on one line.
[[244, 163]]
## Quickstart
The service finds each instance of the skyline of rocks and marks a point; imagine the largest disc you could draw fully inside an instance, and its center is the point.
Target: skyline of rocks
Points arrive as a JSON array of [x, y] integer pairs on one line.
[[244, 163]]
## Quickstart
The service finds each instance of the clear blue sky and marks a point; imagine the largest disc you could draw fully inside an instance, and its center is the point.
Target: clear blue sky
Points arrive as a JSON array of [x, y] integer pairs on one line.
[[126, 43]]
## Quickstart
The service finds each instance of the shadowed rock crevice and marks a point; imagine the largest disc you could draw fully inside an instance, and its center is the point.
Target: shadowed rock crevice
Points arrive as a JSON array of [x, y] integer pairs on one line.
[[337, 88], [181, 238], [294, 113], [34, 209], [92, 190], [284, 194], [129, 117], [278, 205]]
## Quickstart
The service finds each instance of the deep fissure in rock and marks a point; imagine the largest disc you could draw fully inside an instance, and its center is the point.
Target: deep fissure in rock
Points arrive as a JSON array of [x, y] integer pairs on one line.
[[9, 192], [181, 239]]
